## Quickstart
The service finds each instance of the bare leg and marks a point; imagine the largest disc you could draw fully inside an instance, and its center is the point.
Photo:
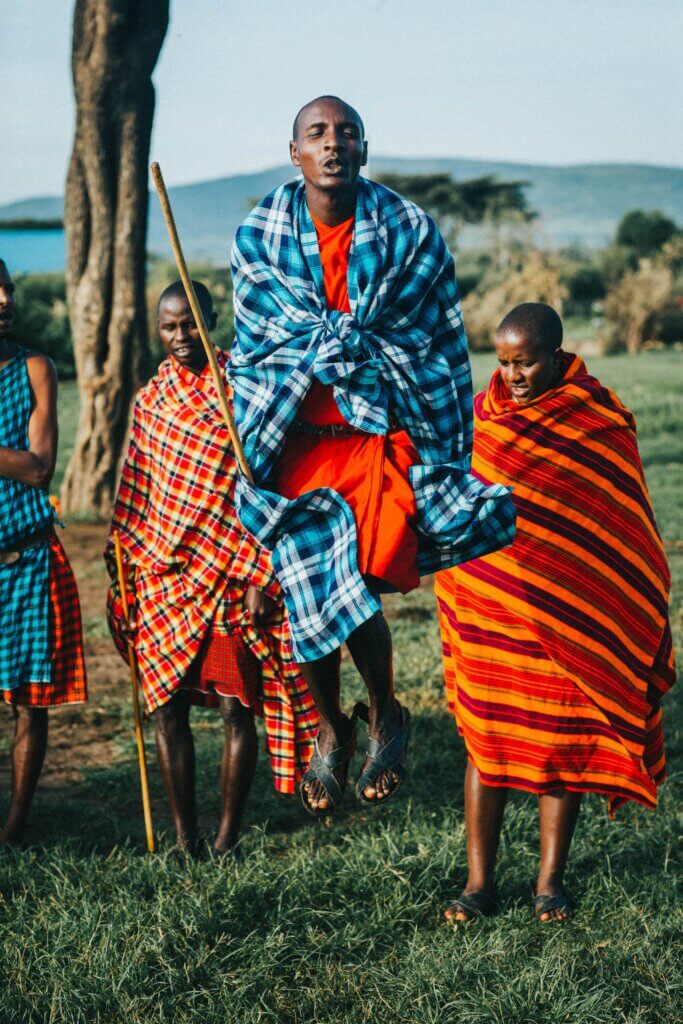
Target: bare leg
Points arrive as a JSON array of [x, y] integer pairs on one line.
[[322, 677], [28, 754], [175, 750], [484, 809], [237, 769], [558, 814], [371, 650]]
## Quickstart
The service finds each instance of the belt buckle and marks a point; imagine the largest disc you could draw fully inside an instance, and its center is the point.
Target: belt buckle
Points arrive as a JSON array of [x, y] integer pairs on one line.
[[9, 557]]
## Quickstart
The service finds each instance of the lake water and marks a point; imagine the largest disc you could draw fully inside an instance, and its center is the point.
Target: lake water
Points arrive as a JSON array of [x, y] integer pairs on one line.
[[32, 252]]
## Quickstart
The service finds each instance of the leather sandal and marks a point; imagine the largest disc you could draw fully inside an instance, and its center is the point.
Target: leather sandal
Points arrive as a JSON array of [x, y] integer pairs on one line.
[[388, 758]]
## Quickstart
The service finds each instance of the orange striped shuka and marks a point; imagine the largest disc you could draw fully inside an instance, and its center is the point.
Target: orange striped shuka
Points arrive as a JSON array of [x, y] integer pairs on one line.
[[192, 562], [557, 649]]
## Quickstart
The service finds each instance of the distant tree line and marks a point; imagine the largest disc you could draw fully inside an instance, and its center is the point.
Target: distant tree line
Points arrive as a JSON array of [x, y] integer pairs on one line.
[[32, 224], [632, 289]]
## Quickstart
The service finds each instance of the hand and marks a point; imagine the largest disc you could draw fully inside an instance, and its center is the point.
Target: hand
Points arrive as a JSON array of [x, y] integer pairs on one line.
[[128, 629], [261, 608]]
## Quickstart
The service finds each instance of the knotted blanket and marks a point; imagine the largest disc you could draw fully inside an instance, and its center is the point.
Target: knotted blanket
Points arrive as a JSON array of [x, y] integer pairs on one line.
[[401, 355]]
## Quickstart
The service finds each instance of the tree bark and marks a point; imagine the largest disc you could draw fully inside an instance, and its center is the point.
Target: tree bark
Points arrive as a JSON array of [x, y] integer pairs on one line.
[[116, 44]]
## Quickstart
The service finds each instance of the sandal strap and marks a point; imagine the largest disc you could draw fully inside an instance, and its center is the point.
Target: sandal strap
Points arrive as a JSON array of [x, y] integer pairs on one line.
[[546, 904], [390, 757], [476, 904], [321, 766]]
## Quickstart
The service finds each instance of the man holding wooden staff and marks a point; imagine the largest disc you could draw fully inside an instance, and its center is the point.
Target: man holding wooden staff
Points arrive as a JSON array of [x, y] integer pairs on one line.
[[353, 400], [208, 623]]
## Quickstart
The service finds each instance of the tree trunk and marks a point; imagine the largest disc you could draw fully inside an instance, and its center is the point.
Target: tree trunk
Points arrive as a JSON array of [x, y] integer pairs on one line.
[[115, 47]]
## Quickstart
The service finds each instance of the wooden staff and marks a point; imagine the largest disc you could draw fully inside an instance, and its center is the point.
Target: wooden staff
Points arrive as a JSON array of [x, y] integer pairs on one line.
[[132, 664], [199, 319]]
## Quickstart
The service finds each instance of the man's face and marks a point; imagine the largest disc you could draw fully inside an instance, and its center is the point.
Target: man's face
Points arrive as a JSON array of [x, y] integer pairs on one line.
[[179, 333], [329, 146], [527, 369], [7, 301]]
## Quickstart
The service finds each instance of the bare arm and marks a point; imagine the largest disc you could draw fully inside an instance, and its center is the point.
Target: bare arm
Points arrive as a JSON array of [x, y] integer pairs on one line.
[[36, 466]]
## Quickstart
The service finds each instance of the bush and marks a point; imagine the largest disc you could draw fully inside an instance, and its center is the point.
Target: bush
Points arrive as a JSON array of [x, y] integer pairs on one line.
[[586, 286], [219, 283], [635, 303], [534, 279], [42, 320], [645, 233]]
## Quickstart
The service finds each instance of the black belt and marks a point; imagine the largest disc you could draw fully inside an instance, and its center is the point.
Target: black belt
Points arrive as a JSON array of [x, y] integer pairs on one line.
[[324, 430], [13, 554], [333, 429]]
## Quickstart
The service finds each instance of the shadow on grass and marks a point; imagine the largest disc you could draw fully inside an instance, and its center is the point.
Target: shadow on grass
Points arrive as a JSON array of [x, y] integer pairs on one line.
[[102, 809]]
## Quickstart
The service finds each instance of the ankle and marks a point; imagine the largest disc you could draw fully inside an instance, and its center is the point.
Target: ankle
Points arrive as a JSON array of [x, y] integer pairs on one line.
[[549, 881], [382, 711], [333, 729], [480, 884]]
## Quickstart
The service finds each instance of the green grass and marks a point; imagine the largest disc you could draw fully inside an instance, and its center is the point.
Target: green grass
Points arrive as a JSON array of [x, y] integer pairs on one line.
[[68, 423], [341, 924]]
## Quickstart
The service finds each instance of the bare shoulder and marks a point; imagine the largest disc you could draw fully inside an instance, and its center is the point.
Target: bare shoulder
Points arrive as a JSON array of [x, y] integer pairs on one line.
[[41, 369], [42, 376]]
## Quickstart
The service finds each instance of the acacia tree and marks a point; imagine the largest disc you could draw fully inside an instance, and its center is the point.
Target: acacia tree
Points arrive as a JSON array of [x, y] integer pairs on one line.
[[453, 204], [116, 44]]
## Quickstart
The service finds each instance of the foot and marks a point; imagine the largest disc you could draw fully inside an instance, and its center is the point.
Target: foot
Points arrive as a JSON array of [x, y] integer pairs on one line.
[[551, 902], [231, 855], [186, 848], [382, 729], [11, 837], [329, 739], [227, 839], [472, 903]]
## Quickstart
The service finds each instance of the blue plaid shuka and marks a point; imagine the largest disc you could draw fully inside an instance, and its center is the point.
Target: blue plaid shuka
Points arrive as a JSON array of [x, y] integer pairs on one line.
[[401, 353], [24, 510]]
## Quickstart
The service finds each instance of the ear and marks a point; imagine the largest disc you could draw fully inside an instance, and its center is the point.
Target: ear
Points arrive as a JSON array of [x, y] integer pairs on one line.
[[294, 153], [365, 155], [213, 319], [557, 365]]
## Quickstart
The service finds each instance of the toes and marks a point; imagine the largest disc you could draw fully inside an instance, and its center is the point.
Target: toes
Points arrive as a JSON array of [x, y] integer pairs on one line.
[[456, 916]]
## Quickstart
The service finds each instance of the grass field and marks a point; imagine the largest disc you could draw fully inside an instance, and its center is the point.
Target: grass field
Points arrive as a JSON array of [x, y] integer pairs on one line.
[[341, 923]]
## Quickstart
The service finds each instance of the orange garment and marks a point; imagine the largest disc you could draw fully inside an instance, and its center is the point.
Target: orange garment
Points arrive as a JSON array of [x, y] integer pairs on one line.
[[369, 471], [557, 648]]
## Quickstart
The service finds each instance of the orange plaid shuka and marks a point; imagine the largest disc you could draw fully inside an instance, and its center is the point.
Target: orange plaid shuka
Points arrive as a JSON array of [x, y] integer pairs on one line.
[[192, 561]]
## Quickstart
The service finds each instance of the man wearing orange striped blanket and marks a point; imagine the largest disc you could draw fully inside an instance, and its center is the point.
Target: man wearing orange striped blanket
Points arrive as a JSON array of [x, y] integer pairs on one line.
[[557, 649]]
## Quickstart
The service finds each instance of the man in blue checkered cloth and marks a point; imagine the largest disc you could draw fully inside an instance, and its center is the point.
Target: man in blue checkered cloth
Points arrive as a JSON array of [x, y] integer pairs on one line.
[[353, 399]]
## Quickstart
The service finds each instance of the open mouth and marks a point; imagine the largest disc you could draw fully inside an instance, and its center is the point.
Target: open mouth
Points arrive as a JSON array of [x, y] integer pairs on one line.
[[335, 167]]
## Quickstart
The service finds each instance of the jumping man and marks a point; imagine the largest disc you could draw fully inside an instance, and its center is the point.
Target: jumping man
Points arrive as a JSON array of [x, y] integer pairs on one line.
[[353, 400]]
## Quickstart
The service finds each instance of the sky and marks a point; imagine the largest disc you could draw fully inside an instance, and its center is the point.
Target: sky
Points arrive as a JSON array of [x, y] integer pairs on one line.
[[531, 81]]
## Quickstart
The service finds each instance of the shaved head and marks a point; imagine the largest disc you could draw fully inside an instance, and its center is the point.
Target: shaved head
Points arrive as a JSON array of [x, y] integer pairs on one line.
[[355, 116], [536, 321], [177, 291]]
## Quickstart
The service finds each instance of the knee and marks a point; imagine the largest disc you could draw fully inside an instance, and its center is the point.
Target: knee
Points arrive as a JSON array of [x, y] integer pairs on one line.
[[30, 720], [172, 717], [235, 715]]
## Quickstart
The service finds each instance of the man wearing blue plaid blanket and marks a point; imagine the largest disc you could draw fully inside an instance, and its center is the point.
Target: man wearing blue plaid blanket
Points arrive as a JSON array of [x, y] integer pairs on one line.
[[353, 399]]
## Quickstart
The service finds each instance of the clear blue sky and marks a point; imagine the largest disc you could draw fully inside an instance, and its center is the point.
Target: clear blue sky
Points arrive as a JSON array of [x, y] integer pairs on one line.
[[582, 81]]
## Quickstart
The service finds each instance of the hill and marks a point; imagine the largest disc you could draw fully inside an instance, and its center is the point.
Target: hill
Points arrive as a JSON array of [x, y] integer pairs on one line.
[[580, 203]]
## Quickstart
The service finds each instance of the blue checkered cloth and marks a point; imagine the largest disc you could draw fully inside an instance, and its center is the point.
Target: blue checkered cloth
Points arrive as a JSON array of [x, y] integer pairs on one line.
[[24, 510], [401, 354]]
